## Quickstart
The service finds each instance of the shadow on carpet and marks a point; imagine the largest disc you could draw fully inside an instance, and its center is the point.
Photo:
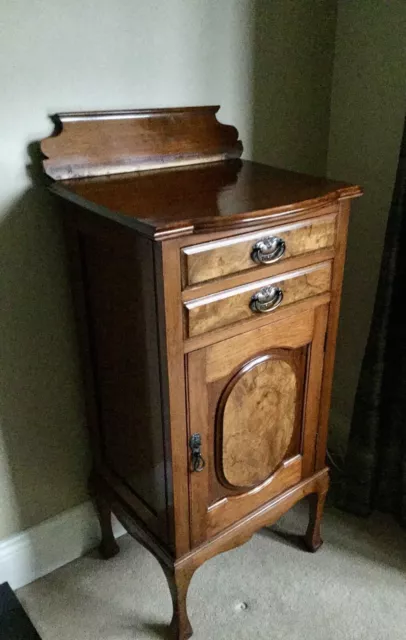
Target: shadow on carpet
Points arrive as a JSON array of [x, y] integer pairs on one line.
[[14, 622]]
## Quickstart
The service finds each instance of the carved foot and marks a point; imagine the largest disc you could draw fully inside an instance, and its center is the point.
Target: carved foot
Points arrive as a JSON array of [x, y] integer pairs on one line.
[[312, 539], [179, 581], [108, 547]]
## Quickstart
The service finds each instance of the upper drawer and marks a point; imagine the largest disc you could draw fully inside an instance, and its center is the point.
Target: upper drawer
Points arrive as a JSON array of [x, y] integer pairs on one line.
[[211, 260]]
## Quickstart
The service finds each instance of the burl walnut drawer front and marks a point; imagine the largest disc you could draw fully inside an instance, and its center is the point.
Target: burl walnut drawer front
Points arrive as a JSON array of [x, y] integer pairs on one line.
[[223, 257], [255, 299]]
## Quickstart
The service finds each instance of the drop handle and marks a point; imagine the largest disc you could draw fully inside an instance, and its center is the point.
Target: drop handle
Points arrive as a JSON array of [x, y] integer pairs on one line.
[[266, 300], [268, 250], [197, 461]]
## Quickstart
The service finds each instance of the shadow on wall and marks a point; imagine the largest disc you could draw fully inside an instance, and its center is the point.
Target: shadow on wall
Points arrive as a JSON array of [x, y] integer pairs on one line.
[[293, 54], [39, 381]]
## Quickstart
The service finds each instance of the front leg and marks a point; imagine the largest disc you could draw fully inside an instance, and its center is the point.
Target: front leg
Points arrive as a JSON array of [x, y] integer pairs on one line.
[[312, 539], [179, 580]]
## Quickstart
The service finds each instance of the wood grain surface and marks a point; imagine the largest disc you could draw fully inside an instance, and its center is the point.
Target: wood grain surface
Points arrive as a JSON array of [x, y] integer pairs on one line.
[[233, 305], [295, 331], [108, 142], [128, 444], [233, 255], [257, 421], [212, 371], [223, 195]]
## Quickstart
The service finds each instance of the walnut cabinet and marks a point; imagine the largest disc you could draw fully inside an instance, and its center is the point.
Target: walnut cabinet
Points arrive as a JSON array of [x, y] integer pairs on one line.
[[207, 292]]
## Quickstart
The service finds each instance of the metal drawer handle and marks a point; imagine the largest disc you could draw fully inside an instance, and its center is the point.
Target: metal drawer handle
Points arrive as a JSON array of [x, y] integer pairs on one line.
[[197, 461], [266, 300], [268, 250]]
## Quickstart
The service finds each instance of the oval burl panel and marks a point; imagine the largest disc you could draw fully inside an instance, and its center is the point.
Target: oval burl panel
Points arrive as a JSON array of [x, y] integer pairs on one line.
[[258, 421]]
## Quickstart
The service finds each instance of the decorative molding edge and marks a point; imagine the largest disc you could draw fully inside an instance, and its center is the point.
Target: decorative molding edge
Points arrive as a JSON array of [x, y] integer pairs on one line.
[[33, 553]]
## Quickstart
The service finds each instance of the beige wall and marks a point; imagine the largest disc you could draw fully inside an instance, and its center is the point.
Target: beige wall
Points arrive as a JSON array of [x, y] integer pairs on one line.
[[367, 116], [292, 62]]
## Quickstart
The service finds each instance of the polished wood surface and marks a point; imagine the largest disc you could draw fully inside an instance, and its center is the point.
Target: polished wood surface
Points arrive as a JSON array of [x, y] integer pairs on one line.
[[163, 279], [266, 515], [240, 328], [128, 445], [333, 319], [232, 255], [173, 389], [257, 420], [251, 275], [218, 196], [109, 142], [295, 331], [233, 305], [215, 504]]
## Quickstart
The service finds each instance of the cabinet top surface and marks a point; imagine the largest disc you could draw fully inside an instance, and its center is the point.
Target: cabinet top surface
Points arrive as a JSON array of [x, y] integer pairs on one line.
[[173, 172], [205, 197]]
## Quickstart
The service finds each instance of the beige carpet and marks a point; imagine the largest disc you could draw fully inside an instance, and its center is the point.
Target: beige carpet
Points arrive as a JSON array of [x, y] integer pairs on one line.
[[354, 588]]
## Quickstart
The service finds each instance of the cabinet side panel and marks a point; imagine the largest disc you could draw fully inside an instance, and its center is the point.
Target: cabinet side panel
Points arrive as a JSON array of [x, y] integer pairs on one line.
[[119, 285], [332, 328]]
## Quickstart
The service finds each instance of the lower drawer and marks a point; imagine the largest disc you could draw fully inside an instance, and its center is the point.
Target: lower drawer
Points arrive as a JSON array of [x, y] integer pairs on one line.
[[256, 298]]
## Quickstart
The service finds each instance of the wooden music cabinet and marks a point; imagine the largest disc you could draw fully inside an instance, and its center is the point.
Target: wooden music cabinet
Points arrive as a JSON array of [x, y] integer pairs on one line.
[[207, 294]]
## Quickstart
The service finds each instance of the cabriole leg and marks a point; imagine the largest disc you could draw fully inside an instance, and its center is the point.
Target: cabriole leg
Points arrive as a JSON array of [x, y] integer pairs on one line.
[[108, 547], [179, 581], [312, 539]]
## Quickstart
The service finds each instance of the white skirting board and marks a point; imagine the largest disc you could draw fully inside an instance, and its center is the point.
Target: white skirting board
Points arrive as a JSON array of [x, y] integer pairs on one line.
[[33, 553]]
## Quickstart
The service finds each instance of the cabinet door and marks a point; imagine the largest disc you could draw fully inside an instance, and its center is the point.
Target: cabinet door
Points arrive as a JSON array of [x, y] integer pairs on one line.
[[254, 403]]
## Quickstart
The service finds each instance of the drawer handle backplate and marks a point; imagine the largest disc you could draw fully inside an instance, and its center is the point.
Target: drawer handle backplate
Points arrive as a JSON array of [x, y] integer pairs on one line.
[[266, 300], [268, 250]]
